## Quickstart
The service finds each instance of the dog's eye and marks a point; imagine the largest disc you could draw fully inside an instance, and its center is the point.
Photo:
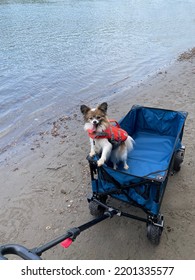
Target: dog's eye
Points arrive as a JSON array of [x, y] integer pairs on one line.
[[90, 119], [98, 117]]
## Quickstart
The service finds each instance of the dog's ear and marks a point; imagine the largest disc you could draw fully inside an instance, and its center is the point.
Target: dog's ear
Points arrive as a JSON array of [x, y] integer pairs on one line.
[[103, 107], [84, 109]]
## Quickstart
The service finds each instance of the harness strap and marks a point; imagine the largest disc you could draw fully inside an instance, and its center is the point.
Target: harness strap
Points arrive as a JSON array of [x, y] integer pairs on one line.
[[112, 134], [100, 134], [117, 124]]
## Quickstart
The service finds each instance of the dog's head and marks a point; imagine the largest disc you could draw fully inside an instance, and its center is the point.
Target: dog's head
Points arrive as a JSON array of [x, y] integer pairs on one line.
[[94, 116]]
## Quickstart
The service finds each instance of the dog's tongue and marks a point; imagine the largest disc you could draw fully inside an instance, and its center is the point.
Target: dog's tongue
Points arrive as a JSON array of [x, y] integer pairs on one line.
[[92, 130]]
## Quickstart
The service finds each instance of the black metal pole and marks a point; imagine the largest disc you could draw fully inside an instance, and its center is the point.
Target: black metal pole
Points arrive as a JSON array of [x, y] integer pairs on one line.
[[134, 217], [75, 231]]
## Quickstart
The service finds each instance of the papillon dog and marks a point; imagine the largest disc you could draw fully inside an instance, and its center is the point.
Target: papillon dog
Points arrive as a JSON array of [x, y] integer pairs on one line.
[[109, 140]]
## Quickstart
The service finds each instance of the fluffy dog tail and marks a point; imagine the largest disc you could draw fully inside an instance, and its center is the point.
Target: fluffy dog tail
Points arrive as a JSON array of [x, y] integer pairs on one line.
[[129, 142]]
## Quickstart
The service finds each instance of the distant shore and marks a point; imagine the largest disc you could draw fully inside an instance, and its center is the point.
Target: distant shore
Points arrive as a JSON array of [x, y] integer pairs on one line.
[[44, 183]]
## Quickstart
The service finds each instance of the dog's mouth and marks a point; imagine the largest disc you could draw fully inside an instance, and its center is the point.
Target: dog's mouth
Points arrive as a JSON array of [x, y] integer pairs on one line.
[[95, 125], [93, 129]]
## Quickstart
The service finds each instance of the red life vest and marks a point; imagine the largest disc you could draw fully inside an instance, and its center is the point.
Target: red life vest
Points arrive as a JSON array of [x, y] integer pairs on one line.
[[114, 134]]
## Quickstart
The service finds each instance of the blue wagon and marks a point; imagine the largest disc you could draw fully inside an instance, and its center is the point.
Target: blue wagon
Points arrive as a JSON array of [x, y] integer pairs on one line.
[[158, 152]]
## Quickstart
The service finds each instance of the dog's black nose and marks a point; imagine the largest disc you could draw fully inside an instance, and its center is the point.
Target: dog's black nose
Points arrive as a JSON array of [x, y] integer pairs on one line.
[[95, 122]]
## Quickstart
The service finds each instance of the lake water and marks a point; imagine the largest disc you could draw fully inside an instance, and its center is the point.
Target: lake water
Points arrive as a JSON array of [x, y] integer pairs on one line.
[[56, 54]]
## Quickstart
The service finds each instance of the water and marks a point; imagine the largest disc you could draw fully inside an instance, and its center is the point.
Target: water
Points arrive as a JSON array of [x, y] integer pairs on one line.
[[56, 54]]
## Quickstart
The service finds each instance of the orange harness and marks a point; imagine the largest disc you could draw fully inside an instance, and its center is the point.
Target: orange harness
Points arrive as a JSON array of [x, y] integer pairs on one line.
[[113, 133]]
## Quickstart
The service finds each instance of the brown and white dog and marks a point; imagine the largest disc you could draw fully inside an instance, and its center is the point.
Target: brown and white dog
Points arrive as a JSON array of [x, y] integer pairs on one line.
[[111, 141]]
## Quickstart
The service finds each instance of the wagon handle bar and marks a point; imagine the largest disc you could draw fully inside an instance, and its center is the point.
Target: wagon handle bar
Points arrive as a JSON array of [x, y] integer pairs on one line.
[[19, 250], [34, 254]]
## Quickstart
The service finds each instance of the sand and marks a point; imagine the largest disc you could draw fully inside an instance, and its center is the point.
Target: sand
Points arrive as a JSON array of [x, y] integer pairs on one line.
[[45, 181]]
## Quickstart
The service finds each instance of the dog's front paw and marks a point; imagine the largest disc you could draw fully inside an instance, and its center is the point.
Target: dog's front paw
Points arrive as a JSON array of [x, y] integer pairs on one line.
[[126, 166], [114, 166], [92, 153], [100, 162]]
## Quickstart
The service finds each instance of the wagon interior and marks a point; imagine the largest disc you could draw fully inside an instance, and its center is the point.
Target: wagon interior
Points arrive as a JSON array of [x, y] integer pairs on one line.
[[157, 134]]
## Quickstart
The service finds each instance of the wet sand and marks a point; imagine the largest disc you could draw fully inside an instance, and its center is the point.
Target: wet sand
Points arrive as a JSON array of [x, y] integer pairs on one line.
[[45, 181]]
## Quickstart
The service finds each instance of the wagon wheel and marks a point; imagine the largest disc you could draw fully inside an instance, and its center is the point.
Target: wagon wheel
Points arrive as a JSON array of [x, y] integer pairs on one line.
[[95, 209], [178, 159], [154, 234], [154, 230]]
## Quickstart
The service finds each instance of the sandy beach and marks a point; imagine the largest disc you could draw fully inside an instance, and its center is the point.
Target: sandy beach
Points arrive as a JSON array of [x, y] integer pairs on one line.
[[45, 181]]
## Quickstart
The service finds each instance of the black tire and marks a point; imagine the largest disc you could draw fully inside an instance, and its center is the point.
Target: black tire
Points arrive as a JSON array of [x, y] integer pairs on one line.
[[154, 233], [95, 209], [178, 159]]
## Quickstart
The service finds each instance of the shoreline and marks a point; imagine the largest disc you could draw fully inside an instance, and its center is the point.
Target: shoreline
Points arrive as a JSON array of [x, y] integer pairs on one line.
[[13, 143], [45, 184]]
